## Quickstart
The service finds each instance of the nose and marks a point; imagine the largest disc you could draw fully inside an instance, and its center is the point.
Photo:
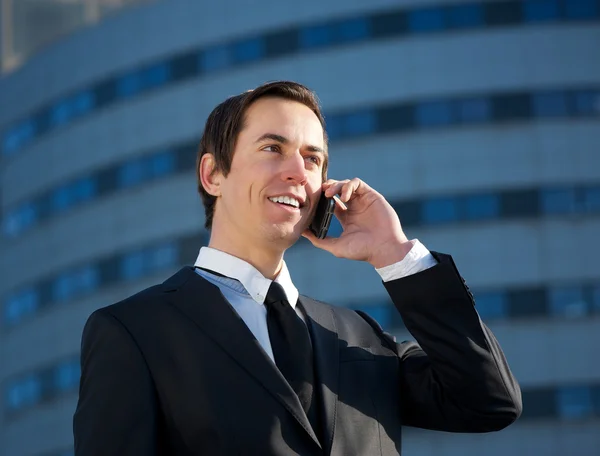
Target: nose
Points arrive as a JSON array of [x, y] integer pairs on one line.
[[294, 169]]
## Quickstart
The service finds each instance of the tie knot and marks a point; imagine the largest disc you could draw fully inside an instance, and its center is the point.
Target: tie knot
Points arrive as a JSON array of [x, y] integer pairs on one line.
[[276, 293]]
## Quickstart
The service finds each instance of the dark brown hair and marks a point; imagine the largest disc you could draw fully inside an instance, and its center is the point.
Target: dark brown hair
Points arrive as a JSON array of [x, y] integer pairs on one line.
[[226, 121]]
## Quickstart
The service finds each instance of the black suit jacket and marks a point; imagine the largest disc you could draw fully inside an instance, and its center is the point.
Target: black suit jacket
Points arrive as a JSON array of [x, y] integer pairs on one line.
[[174, 370]]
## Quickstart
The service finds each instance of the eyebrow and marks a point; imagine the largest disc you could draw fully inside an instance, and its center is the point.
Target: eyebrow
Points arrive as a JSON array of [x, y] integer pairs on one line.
[[283, 140]]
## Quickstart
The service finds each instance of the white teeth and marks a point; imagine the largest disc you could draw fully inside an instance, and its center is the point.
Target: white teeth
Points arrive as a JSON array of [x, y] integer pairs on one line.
[[286, 200]]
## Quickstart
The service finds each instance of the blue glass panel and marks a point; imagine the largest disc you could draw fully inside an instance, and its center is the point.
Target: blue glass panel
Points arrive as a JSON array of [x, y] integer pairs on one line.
[[335, 127], [360, 123], [491, 305], [61, 113], [541, 10], [587, 102], [434, 113], [596, 298], [129, 84], [216, 58], [582, 9], [132, 265], [558, 201], [19, 136], [162, 256], [474, 110], [479, 207], [62, 288], [249, 50], [20, 219], [84, 102], [591, 199], [464, 16], [574, 402], [25, 392], [62, 198], [156, 75], [353, 29], [426, 20], [550, 104], [66, 376], [316, 36], [439, 210], [568, 302], [84, 189], [132, 173], [162, 164], [20, 305], [88, 279]]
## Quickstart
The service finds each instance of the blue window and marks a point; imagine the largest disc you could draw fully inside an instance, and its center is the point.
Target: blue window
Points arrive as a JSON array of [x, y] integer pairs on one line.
[[129, 84], [568, 302], [426, 20], [75, 283], [20, 219], [84, 102], [67, 375], [132, 173], [360, 123], [162, 164], [156, 75], [25, 392], [434, 113], [439, 210], [216, 58], [491, 305], [575, 402], [558, 201], [20, 305], [478, 207], [61, 198], [591, 199], [596, 298], [355, 29], [587, 102], [316, 36], [132, 265], [249, 50], [541, 10], [582, 9], [550, 104], [335, 127], [19, 136], [474, 110], [464, 16], [84, 189], [61, 113], [162, 256]]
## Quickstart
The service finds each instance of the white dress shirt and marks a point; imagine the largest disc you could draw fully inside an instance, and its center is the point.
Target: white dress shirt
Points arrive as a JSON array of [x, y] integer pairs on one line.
[[245, 288]]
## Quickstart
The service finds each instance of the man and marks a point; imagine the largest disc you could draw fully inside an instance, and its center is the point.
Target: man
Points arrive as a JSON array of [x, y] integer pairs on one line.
[[226, 358]]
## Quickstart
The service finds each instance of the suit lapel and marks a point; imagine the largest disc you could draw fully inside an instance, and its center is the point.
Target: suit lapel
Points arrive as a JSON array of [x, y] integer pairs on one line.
[[324, 337], [204, 303]]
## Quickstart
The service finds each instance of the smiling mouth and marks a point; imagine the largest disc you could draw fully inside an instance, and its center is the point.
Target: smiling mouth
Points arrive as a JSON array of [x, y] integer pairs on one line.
[[286, 201]]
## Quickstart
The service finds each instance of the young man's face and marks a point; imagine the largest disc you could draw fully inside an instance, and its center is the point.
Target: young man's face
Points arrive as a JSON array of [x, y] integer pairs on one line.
[[280, 152]]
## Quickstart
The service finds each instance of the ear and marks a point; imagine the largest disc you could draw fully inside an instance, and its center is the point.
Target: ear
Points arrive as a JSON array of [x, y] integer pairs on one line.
[[211, 181]]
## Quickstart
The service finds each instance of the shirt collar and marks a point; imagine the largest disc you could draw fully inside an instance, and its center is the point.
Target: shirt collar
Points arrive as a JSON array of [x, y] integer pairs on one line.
[[253, 281]]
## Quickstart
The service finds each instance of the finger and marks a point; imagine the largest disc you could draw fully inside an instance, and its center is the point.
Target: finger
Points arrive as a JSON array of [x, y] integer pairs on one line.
[[327, 244], [349, 189], [335, 188]]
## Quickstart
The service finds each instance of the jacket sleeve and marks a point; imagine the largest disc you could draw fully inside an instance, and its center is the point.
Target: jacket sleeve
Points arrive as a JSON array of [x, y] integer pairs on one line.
[[456, 378], [116, 412]]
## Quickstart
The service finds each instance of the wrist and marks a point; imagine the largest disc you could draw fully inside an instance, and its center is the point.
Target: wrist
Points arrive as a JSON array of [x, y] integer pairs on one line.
[[391, 254]]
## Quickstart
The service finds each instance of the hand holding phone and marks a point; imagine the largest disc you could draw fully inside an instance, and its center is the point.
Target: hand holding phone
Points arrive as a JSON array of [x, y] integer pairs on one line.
[[323, 215]]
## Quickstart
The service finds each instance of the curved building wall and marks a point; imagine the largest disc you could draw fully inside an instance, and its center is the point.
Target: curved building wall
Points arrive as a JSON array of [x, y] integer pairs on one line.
[[478, 121]]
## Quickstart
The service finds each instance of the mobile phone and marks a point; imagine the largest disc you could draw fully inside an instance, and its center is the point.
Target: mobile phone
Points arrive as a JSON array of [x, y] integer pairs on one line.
[[322, 219]]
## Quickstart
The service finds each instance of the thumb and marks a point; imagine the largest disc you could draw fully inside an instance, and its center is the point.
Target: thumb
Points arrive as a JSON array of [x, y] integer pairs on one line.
[[328, 244]]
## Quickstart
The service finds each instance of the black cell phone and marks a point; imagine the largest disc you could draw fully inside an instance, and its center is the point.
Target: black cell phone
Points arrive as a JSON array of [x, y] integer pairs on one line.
[[322, 219]]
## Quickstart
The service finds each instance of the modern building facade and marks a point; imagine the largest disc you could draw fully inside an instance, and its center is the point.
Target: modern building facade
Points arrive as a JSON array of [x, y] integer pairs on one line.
[[479, 121]]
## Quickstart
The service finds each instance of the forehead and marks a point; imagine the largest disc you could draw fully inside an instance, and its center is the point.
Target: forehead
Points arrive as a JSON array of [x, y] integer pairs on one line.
[[288, 118]]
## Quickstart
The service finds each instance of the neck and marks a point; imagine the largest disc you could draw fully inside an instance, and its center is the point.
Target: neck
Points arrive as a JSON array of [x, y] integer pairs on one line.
[[266, 259]]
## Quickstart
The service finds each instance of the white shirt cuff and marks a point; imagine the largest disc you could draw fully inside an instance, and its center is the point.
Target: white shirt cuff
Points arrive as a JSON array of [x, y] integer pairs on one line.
[[418, 259]]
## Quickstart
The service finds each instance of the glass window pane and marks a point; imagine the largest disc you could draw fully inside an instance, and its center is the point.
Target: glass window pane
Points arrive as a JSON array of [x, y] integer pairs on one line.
[[388, 24], [463, 16], [66, 376], [574, 402], [591, 199], [249, 50], [474, 110], [335, 127], [439, 210], [568, 302], [539, 403], [60, 113], [132, 173], [133, 265], [163, 256], [587, 102], [491, 305], [596, 298], [20, 305], [519, 203], [434, 113], [63, 287], [479, 207], [20, 219], [62, 198], [550, 104], [426, 20], [582, 9], [360, 123], [541, 10], [527, 303], [84, 189], [315, 36], [88, 279], [129, 84], [84, 102], [558, 201], [19, 136], [353, 29], [216, 58], [162, 164], [24, 392], [156, 75]]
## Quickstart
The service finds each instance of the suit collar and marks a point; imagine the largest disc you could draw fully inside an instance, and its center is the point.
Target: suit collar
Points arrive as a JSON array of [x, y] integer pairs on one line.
[[204, 304]]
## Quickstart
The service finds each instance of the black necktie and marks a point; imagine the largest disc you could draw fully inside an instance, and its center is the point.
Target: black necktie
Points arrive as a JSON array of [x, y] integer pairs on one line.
[[292, 349]]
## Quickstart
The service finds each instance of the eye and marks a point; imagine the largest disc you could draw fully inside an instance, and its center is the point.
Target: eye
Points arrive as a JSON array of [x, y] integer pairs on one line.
[[315, 159], [272, 148]]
